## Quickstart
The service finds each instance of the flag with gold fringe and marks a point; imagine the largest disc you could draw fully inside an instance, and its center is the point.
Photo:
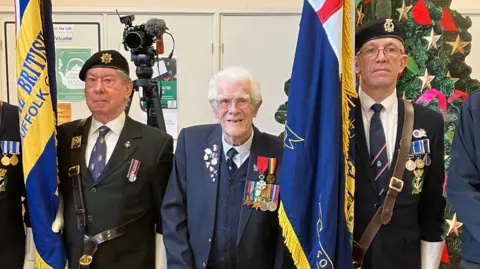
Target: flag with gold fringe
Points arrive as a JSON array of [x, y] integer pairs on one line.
[[317, 177], [35, 77]]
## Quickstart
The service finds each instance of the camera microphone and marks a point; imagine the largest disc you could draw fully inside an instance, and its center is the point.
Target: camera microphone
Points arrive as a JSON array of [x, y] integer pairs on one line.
[[160, 45], [156, 27]]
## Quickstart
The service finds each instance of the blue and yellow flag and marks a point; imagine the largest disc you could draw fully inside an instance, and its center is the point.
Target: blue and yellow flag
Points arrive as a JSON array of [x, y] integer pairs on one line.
[[317, 177], [35, 54]]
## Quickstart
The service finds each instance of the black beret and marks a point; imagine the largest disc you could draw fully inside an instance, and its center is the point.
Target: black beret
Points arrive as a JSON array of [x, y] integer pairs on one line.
[[379, 28], [105, 59]]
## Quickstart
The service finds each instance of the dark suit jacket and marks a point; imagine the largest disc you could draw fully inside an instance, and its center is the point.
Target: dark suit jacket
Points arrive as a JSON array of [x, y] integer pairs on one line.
[[463, 187], [12, 232], [190, 204], [415, 217], [113, 200]]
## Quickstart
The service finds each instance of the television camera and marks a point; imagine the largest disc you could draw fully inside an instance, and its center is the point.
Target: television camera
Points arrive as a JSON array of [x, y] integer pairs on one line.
[[139, 40]]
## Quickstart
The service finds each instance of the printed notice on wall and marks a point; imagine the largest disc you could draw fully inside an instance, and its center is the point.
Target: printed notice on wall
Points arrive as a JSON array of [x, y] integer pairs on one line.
[[171, 122], [165, 73], [69, 63], [64, 111], [63, 32]]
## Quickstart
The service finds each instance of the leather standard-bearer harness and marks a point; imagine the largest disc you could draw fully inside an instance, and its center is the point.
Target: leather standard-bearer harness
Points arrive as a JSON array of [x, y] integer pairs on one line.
[[90, 243], [385, 211]]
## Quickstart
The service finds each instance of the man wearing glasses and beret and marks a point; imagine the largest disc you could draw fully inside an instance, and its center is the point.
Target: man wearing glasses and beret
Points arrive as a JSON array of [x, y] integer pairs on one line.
[[399, 203], [220, 206]]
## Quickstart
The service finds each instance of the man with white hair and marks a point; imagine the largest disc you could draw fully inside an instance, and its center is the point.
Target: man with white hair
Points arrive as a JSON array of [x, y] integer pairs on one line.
[[220, 206]]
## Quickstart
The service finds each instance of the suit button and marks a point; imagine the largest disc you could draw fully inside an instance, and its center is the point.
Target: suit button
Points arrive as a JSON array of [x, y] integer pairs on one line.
[[90, 218], [93, 189], [204, 265], [209, 240]]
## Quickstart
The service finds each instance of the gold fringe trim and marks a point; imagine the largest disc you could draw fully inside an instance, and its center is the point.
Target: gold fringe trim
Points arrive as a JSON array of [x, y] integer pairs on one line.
[[41, 264], [291, 240], [348, 92]]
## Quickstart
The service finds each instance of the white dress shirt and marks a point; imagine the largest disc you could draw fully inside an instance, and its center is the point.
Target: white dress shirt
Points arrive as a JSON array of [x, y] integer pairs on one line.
[[111, 137], [243, 150], [388, 116]]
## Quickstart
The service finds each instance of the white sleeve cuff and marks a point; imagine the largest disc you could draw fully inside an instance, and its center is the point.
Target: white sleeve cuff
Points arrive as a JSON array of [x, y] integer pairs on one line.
[[431, 254], [30, 250], [160, 254]]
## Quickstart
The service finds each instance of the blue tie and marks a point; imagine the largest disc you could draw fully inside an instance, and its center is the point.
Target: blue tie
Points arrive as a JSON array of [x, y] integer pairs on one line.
[[378, 150], [232, 167], [99, 153]]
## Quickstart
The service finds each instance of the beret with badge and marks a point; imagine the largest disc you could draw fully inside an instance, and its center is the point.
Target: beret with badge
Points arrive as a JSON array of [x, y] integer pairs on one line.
[[380, 28], [105, 59]]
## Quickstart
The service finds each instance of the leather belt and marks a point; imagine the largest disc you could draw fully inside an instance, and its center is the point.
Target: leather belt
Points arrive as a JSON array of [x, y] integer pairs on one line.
[[385, 211], [91, 243]]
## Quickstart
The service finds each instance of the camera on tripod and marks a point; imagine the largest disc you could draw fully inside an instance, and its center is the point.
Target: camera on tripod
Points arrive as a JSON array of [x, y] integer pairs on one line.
[[139, 40]]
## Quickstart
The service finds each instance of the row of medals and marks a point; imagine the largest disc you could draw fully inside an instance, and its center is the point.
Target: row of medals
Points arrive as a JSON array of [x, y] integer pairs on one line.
[[417, 168], [13, 160], [265, 204]]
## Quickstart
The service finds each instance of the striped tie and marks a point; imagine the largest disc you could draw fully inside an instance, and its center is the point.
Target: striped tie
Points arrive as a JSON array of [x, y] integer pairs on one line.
[[378, 151]]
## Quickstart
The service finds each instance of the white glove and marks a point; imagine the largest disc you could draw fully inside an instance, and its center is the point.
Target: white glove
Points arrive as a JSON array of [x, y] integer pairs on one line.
[[431, 254], [30, 251], [57, 224], [160, 254]]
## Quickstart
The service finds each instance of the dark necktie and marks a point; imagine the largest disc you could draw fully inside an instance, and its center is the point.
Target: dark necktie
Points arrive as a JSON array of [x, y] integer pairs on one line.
[[232, 167], [99, 153], [378, 150]]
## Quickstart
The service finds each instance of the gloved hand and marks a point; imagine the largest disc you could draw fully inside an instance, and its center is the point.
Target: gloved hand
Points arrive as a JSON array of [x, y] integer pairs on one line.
[[57, 224]]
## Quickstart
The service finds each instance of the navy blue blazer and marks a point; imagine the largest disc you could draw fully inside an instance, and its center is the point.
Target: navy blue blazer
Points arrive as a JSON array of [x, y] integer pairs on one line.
[[189, 206], [463, 185]]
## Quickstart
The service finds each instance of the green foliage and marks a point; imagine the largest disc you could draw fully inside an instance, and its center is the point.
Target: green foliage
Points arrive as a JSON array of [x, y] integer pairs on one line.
[[439, 62]]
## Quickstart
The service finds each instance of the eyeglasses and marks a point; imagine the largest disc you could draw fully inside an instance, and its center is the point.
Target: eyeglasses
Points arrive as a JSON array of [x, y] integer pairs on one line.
[[226, 103], [390, 53]]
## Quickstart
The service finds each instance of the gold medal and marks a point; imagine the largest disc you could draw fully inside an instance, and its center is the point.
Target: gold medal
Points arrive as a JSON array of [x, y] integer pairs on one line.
[[272, 205], [264, 206], [270, 179], [410, 165], [419, 163], [14, 160], [5, 160]]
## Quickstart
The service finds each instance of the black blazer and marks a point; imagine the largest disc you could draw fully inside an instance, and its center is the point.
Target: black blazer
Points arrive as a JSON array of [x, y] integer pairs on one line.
[[113, 200], [416, 217], [12, 231]]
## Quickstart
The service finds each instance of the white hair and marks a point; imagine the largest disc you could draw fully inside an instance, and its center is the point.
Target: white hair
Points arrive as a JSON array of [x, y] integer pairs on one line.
[[124, 76], [235, 75]]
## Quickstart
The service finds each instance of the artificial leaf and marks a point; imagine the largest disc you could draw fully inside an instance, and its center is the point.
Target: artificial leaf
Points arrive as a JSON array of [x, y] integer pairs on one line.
[[412, 66], [450, 134]]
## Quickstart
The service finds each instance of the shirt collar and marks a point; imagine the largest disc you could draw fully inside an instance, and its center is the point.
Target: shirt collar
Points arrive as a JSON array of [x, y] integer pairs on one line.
[[367, 102], [243, 150], [115, 125]]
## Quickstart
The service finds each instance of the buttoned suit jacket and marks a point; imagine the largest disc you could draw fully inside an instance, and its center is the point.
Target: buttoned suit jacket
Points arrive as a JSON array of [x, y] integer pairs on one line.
[[189, 206], [113, 200]]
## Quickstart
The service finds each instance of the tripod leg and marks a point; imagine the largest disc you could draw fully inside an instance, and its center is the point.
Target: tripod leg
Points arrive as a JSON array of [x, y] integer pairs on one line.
[[130, 99], [158, 111]]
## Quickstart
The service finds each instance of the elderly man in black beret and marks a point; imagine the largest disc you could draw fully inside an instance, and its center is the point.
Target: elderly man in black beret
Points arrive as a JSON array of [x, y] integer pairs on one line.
[[113, 172], [399, 203]]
